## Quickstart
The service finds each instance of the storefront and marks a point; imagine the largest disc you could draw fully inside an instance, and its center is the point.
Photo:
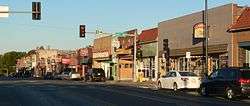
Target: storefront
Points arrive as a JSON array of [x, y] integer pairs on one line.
[[85, 60], [125, 63], [241, 39], [179, 32], [103, 56], [147, 53]]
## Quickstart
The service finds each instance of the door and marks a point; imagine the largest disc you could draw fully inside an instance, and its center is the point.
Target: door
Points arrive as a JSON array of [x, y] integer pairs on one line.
[[211, 82], [168, 81]]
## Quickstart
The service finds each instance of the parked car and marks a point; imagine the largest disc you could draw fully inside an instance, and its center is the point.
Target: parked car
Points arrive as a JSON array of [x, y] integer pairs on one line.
[[64, 75], [49, 76], [228, 82], [179, 80], [75, 75], [95, 74]]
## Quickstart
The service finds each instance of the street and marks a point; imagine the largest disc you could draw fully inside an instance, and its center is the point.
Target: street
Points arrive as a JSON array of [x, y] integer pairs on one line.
[[78, 93]]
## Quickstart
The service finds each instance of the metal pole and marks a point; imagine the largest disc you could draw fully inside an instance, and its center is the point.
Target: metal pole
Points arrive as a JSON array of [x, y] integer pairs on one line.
[[206, 35], [134, 70]]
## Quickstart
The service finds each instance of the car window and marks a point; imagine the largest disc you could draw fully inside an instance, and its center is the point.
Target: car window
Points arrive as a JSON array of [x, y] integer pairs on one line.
[[227, 73], [245, 74], [214, 74], [172, 74], [168, 75], [187, 74]]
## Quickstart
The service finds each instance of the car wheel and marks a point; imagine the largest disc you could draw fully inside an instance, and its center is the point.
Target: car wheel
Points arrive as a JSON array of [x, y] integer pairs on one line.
[[159, 85], [229, 94], [175, 87], [203, 91]]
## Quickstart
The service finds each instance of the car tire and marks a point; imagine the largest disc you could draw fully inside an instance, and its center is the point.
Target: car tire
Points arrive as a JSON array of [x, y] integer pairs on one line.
[[230, 94], [203, 91], [159, 86], [175, 87]]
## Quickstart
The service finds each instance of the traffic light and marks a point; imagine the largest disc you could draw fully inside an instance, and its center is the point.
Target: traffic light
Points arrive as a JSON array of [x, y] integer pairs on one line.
[[82, 31], [36, 10], [166, 53], [165, 44]]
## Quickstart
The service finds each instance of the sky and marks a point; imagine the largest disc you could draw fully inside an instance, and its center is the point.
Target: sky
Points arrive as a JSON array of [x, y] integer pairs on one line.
[[59, 26]]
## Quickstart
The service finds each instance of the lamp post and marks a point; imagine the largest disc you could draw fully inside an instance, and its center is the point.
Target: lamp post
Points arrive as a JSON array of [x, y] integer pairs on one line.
[[206, 35]]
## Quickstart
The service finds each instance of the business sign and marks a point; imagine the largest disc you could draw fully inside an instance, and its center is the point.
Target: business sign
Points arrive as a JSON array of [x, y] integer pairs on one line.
[[198, 30], [188, 55], [4, 11], [84, 52], [101, 55], [66, 61]]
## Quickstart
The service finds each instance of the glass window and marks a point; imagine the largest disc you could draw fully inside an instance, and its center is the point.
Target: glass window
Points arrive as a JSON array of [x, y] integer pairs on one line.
[[131, 65], [120, 66], [245, 74], [126, 66], [214, 74], [187, 74], [227, 73], [172, 74]]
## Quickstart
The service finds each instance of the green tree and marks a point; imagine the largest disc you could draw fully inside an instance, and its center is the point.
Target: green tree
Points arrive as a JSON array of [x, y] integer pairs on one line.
[[8, 60]]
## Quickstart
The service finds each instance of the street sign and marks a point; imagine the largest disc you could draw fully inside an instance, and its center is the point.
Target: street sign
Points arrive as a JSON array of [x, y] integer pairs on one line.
[[188, 55], [4, 11]]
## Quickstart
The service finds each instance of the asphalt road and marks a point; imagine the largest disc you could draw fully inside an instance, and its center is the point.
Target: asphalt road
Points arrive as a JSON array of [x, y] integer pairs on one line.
[[76, 93]]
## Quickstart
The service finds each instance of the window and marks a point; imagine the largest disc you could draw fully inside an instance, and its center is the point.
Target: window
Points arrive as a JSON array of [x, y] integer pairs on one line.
[[171, 74], [227, 74], [131, 65], [214, 74], [120, 66], [126, 66], [187, 74]]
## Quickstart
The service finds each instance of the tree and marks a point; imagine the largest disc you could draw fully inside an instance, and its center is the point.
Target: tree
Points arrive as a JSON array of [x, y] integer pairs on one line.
[[8, 60]]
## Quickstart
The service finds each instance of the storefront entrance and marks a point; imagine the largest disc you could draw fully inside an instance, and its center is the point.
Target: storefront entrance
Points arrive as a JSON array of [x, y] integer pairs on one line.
[[244, 54]]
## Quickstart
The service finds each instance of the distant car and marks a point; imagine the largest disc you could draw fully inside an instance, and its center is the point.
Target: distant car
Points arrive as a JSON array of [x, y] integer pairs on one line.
[[49, 76], [179, 80], [228, 82], [64, 75], [75, 75], [95, 74]]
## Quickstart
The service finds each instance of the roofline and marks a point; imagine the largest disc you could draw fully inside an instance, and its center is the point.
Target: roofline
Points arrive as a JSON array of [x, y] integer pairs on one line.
[[238, 29]]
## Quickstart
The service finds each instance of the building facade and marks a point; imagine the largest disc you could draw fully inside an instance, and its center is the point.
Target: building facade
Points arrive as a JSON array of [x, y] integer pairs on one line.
[[179, 32], [147, 53], [240, 31], [103, 53]]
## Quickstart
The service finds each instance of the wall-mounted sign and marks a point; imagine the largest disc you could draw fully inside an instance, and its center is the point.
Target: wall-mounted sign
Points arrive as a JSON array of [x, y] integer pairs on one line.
[[101, 55], [188, 55], [198, 30], [66, 61], [4, 11]]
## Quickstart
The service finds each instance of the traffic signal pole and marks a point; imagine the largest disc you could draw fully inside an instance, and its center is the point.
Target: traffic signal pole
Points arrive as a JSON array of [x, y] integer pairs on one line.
[[36, 11], [206, 35]]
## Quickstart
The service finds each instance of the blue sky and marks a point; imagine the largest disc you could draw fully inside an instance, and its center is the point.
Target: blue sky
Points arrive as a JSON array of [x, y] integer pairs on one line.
[[61, 18]]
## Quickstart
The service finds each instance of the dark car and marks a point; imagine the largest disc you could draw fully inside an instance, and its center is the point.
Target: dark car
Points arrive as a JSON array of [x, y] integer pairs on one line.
[[95, 74], [229, 82]]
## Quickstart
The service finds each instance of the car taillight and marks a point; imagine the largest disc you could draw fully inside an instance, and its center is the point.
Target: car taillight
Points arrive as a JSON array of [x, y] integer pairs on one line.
[[243, 81], [184, 79]]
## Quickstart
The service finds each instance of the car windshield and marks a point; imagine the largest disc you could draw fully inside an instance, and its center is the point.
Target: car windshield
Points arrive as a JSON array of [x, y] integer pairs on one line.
[[187, 74], [245, 74]]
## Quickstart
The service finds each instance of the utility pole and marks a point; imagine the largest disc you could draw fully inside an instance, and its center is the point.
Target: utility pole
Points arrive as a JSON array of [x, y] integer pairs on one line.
[[134, 70], [206, 35]]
